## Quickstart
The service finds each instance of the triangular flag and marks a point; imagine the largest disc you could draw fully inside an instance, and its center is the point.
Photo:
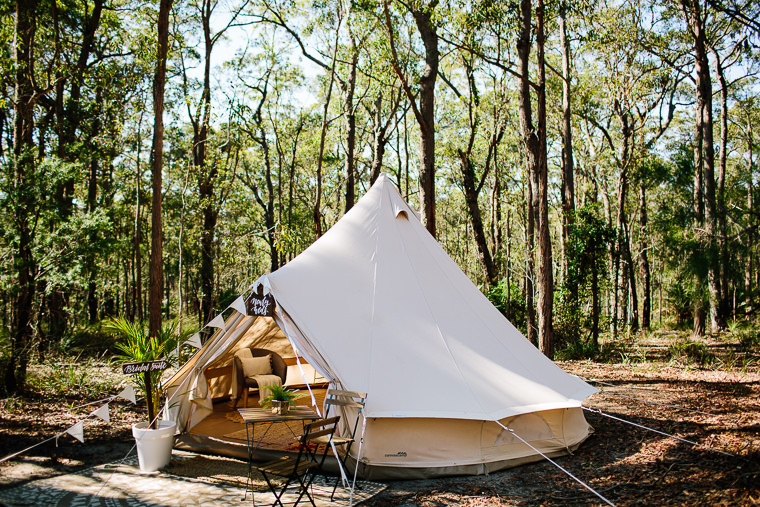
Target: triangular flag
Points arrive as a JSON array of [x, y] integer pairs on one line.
[[218, 321], [77, 431], [195, 341], [128, 394], [103, 413], [239, 305]]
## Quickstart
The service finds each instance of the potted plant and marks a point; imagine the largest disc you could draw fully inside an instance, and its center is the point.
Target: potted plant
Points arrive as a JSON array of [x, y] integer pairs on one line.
[[154, 438], [280, 398]]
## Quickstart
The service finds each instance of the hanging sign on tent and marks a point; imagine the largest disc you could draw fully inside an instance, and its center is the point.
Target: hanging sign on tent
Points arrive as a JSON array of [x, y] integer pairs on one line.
[[260, 304], [145, 367]]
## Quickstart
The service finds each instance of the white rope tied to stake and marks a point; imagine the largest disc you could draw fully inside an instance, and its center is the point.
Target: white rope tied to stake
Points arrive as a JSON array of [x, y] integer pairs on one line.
[[597, 411], [547, 458]]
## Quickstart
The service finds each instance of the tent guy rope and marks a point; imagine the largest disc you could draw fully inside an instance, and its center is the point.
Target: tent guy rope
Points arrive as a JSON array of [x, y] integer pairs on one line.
[[598, 411], [677, 407], [547, 458]]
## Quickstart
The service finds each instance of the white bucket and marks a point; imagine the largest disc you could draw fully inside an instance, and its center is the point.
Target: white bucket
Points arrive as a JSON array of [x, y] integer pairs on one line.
[[154, 447]]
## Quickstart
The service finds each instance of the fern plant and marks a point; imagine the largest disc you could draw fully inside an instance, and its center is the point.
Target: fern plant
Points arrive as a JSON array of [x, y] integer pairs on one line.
[[280, 393]]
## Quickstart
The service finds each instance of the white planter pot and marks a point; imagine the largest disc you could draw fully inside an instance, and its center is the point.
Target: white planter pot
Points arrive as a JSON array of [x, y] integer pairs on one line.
[[154, 447]]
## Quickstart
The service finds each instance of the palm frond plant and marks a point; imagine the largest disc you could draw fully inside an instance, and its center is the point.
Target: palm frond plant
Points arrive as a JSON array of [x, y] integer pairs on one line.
[[137, 346]]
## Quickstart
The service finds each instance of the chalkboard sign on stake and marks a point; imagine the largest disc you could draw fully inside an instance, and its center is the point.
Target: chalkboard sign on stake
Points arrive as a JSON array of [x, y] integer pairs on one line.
[[145, 367]]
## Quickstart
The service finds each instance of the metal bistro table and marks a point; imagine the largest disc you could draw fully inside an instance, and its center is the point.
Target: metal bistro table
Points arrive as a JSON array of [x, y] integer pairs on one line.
[[252, 416]]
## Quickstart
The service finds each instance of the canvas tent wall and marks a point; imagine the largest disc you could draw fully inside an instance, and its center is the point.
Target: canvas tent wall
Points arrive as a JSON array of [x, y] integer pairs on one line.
[[377, 306]]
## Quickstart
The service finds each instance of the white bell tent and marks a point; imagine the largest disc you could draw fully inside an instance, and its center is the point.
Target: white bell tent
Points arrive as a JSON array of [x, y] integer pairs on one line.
[[377, 306]]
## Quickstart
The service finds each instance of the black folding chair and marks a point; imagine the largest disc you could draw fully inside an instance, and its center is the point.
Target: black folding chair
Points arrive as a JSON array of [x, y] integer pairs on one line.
[[349, 401], [300, 468]]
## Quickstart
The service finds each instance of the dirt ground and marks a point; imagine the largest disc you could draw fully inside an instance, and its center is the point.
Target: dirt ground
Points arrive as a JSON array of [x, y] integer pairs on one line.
[[717, 407]]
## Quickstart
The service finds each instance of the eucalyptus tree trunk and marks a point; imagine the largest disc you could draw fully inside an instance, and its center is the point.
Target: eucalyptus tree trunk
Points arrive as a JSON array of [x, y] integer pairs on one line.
[[535, 144], [646, 307], [425, 112], [568, 184], [156, 252], [749, 286], [530, 270], [137, 297], [723, 258], [426, 27], [695, 18], [349, 111], [206, 175], [317, 210], [24, 263]]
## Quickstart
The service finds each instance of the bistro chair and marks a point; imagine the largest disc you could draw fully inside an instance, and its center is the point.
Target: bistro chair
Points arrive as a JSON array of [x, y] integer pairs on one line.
[[300, 468], [348, 401]]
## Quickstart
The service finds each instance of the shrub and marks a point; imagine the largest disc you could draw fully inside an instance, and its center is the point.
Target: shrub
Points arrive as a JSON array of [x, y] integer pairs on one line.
[[71, 377], [691, 352]]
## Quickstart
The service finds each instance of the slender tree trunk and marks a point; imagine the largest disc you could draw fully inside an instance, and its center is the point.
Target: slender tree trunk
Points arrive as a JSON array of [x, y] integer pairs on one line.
[[496, 215], [595, 302], [633, 315], [723, 260], [379, 140], [425, 113], [427, 29], [350, 112], [180, 260], [137, 252], [695, 18], [317, 211], [535, 144], [646, 309], [24, 262], [92, 203], [749, 286], [266, 207], [530, 271], [471, 198], [568, 183], [156, 251]]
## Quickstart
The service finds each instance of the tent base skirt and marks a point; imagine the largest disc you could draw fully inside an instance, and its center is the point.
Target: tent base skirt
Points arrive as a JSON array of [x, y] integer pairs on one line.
[[380, 472], [210, 445]]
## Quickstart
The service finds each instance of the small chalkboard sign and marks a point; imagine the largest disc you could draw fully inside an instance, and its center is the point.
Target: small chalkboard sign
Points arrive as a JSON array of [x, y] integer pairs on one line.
[[145, 367], [260, 304]]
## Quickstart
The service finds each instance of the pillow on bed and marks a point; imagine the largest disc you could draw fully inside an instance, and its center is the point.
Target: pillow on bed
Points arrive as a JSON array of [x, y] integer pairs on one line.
[[253, 366]]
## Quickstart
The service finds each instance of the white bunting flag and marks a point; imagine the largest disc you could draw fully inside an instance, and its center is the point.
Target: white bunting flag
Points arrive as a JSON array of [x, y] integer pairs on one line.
[[195, 341], [128, 394], [218, 321], [77, 431], [103, 413], [239, 305]]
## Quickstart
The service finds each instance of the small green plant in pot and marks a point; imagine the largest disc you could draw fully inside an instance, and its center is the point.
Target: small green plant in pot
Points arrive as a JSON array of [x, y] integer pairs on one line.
[[280, 398]]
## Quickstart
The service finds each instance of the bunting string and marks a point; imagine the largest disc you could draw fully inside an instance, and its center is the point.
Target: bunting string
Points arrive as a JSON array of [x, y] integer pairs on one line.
[[77, 429]]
